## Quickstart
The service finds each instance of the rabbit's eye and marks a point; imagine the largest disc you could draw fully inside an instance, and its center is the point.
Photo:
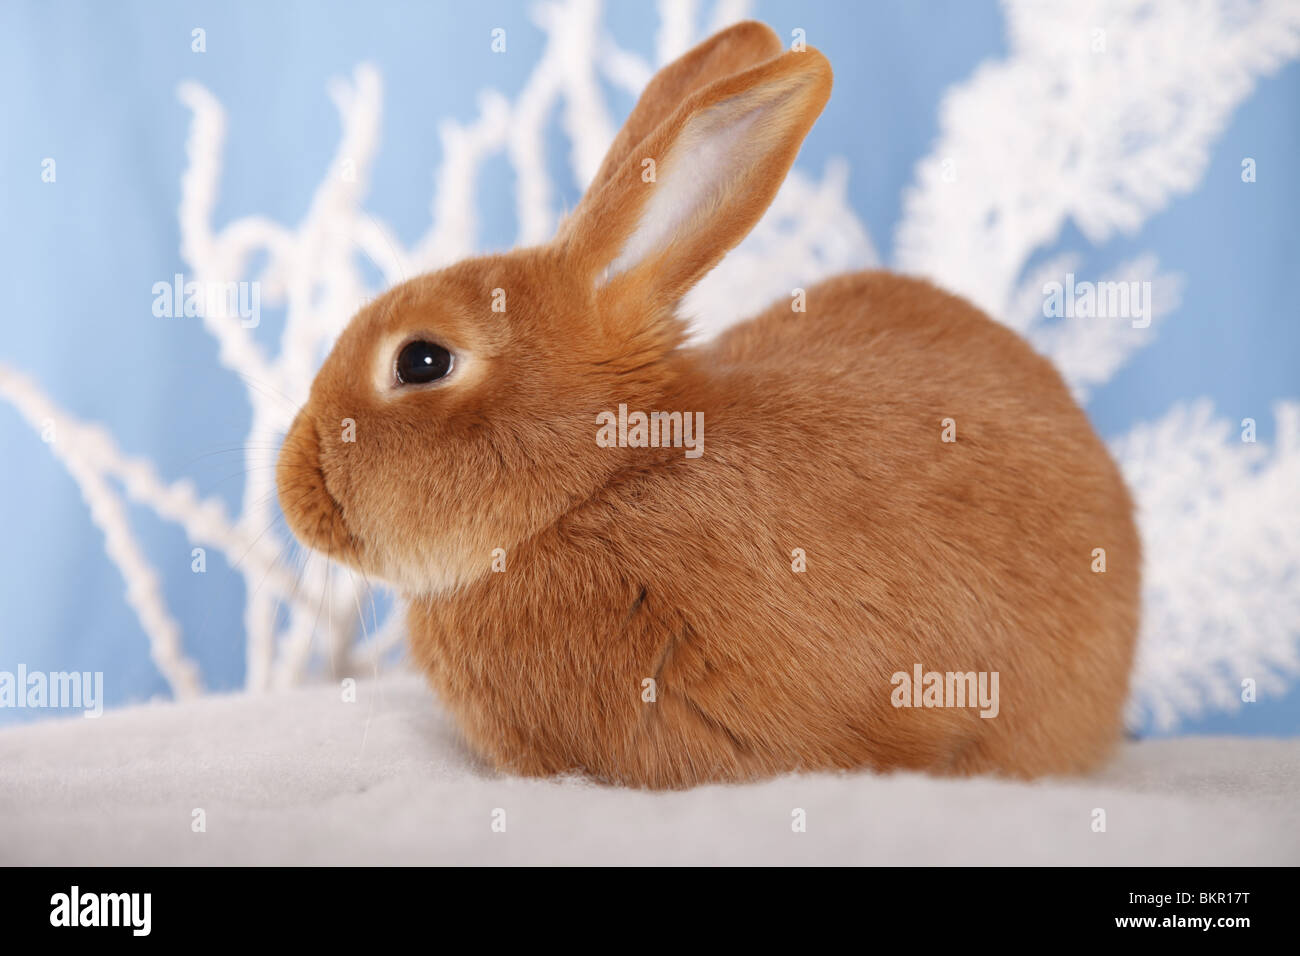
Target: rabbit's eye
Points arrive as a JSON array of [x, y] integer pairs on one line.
[[420, 362]]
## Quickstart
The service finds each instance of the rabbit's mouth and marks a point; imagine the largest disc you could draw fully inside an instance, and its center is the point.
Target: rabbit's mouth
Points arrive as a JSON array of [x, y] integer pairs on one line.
[[313, 513], [313, 502]]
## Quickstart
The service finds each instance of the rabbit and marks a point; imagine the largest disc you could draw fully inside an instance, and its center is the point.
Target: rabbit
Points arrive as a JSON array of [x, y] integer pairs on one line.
[[884, 490]]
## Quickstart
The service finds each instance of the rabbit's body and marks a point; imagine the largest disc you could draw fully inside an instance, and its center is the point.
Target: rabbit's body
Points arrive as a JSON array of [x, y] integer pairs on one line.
[[659, 618], [918, 551]]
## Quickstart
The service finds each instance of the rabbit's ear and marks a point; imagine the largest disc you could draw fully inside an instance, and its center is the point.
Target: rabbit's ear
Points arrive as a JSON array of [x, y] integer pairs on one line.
[[724, 54], [699, 182]]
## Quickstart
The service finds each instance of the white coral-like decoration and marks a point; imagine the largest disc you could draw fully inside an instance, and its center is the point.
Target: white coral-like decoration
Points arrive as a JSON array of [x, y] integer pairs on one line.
[[1102, 113], [1222, 588], [1096, 116]]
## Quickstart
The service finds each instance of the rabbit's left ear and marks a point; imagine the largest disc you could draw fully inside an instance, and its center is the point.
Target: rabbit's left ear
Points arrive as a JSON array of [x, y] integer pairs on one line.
[[697, 184], [726, 53]]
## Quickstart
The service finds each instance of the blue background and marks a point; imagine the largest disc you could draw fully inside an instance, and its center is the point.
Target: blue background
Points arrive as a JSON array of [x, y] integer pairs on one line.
[[93, 85]]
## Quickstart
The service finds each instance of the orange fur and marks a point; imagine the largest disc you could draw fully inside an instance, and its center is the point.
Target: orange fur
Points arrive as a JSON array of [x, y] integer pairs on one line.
[[823, 433]]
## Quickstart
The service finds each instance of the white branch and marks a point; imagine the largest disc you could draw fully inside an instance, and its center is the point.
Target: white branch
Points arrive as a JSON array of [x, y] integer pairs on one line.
[[84, 451], [1221, 590]]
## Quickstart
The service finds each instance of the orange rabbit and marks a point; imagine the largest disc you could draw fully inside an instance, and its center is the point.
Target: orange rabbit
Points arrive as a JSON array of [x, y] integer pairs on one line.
[[876, 496]]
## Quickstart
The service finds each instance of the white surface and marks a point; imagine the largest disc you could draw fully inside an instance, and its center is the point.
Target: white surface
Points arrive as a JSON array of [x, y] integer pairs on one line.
[[300, 777]]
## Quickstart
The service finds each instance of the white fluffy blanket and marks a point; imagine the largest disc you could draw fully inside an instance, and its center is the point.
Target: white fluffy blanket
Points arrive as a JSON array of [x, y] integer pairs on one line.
[[301, 777]]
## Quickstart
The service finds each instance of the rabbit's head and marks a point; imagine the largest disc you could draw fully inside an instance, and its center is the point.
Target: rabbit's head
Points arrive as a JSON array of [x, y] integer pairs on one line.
[[456, 413]]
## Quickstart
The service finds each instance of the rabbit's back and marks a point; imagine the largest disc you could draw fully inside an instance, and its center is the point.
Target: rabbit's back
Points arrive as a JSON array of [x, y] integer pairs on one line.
[[951, 508]]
